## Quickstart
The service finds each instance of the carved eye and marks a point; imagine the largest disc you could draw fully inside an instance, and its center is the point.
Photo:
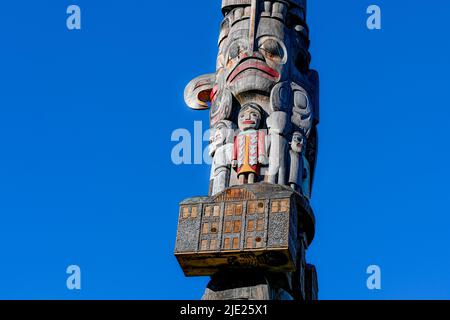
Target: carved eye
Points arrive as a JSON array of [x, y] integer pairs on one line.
[[235, 49], [272, 49]]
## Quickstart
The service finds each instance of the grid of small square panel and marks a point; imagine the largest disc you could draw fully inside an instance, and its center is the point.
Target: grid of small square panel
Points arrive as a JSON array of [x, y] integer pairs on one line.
[[189, 212], [209, 232], [233, 223]]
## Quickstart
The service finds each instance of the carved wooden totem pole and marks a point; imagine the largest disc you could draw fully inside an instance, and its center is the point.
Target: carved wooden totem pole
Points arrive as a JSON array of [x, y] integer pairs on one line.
[[250, 234]]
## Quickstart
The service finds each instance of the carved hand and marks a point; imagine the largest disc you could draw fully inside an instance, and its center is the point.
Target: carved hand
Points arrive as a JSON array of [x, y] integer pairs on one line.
[[263, 160]]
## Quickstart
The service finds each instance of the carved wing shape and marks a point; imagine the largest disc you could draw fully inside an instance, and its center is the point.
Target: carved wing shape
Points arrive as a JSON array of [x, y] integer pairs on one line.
[[302, 111], [197, 94]]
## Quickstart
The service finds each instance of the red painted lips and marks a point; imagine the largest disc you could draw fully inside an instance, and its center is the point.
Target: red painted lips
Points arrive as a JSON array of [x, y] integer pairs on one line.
[[253, 65]]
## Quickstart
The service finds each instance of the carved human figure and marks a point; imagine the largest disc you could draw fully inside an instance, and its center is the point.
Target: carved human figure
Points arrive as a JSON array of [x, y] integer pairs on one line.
[[249, 151], [296, 154], [221, 150]]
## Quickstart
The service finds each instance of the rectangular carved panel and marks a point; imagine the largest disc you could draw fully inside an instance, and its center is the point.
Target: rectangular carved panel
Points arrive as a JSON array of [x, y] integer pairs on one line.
[[237, 229]]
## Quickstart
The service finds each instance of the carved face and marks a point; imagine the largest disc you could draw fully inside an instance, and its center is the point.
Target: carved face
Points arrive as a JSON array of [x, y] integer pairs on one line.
[[297, 142], [249, 118], [251, 62], [220, 135], [261, 44]]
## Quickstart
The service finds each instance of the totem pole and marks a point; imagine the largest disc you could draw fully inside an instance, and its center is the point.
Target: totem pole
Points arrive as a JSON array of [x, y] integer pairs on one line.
[[251, 233]]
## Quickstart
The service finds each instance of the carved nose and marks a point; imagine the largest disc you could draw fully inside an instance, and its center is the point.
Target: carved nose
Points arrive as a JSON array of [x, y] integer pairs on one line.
[[253, 55], [257, 55]]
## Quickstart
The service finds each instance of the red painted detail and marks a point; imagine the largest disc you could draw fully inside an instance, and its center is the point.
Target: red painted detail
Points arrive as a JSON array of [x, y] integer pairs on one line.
[[213, 93], [255, 65], [253, 72]]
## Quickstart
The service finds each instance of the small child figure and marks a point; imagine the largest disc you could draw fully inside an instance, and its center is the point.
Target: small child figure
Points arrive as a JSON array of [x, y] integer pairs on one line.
[[221, 150], [249, 151], [299, 168]]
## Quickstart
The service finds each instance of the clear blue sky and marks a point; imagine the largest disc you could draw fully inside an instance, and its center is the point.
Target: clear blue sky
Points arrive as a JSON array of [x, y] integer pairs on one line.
[[86, 118]]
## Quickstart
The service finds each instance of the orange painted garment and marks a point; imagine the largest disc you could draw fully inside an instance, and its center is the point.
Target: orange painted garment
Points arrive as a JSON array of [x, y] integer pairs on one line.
[[248, 147]]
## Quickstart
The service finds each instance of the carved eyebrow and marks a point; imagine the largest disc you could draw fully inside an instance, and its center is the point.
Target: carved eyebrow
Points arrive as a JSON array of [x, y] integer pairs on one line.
[[238, 34], [261, 38]]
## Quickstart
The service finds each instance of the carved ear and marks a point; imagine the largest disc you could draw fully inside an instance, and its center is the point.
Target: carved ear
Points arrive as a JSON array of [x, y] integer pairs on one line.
[[198, 92]]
